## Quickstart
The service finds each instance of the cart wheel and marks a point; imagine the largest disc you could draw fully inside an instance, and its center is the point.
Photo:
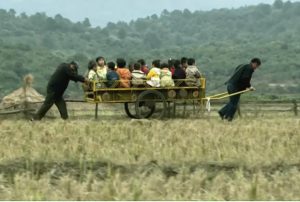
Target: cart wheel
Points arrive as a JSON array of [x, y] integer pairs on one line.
[[148, 102], [131, 112], [130, 109]]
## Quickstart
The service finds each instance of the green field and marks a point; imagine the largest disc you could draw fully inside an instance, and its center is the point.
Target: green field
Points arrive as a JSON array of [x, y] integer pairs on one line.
[[253, 158]]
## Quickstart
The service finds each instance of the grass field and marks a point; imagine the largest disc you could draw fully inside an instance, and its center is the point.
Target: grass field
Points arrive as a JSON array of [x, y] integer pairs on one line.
[[254, 158]]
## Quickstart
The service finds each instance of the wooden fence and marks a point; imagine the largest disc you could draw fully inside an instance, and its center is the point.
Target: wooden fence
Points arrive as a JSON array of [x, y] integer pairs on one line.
[[244, 106], [256, 106]]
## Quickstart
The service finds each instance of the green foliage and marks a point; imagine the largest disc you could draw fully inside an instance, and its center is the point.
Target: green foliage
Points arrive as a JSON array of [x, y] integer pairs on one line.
[[218, 39], [278, 4]]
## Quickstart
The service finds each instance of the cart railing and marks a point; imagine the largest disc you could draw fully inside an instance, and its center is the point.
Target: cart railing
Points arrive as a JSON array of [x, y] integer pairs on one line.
[[99, 93], [179, 83], [97, 88]]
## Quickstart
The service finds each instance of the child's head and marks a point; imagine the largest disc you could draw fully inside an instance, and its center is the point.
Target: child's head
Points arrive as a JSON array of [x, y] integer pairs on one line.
[[121, 63], [92, 65], [111, 65], [177, 64], [156, 63], [131, 66], [100, 61], [164, 65], [142, 62], [191, 61], [183, 62], [137, 66]]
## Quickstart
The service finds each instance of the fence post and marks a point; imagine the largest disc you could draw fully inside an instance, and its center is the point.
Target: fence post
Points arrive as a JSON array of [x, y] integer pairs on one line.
[[96, 111], [295, 107], [239, 110], [174, 109], [184, 109]]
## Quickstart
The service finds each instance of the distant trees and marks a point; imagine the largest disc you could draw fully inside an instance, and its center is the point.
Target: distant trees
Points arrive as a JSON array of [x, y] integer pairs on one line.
[[263, 10], [278, 4], [86, 23], [152, 40], [218, 39]]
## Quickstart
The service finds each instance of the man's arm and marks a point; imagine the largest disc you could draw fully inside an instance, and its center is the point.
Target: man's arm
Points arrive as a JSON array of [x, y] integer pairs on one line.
[[246, 78], [74, 76]]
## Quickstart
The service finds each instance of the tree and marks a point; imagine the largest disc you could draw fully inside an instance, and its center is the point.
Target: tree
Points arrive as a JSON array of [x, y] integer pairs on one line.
[[152, 40], [165, 13], [51, 24], [154, 17], [122, 33], [49, 41], [12, 12], [86, 22], [23, 15], [278, 4], [141, 25], [187, 13], [263, 10]]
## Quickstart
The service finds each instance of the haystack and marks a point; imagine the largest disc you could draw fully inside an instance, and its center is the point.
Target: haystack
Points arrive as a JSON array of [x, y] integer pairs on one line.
[[23, 97]]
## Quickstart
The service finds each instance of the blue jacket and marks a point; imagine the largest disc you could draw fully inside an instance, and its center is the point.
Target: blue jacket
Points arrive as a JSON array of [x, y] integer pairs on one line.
[[111, 78]]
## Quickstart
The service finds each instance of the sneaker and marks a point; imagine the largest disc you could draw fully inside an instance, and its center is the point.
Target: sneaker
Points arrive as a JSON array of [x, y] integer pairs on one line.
[[221, 115]]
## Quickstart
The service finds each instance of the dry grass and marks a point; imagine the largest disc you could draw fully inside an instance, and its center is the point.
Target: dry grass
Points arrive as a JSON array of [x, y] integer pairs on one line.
[[181, 159]]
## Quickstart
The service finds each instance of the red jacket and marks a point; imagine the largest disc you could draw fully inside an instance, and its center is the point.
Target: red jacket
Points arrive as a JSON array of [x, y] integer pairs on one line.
[[125, 77]]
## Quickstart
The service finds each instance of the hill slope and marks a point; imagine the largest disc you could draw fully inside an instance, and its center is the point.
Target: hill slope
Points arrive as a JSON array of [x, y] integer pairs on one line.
[[218, 39]]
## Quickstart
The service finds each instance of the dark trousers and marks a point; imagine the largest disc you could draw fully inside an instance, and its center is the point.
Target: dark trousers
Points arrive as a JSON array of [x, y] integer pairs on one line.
[[230, 108], [52, 98]]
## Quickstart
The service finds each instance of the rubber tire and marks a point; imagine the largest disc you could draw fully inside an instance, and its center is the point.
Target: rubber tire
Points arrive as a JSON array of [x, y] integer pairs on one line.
[[129, 114], [145, 93]]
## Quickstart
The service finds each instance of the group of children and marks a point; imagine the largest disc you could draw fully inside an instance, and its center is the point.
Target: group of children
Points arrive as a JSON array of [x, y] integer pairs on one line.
[[183, 72]]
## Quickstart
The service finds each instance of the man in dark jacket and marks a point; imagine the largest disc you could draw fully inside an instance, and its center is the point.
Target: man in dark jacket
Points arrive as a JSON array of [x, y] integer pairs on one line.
[[239, 81], [56, 87]]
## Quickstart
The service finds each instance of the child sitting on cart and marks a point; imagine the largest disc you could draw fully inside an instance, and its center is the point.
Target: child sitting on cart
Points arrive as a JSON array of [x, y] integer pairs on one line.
[[138, 77], [124, 73], [112, 76], [192, 73], [153, 77], [93, 75], [166, 76], [92, 71]]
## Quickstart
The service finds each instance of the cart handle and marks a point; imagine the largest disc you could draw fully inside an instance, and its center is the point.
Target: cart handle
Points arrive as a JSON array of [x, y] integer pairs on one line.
[[222, 96], [225, 95]]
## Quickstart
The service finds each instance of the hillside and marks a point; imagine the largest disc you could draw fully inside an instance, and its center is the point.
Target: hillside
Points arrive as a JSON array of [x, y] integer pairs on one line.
[[218, 39]]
